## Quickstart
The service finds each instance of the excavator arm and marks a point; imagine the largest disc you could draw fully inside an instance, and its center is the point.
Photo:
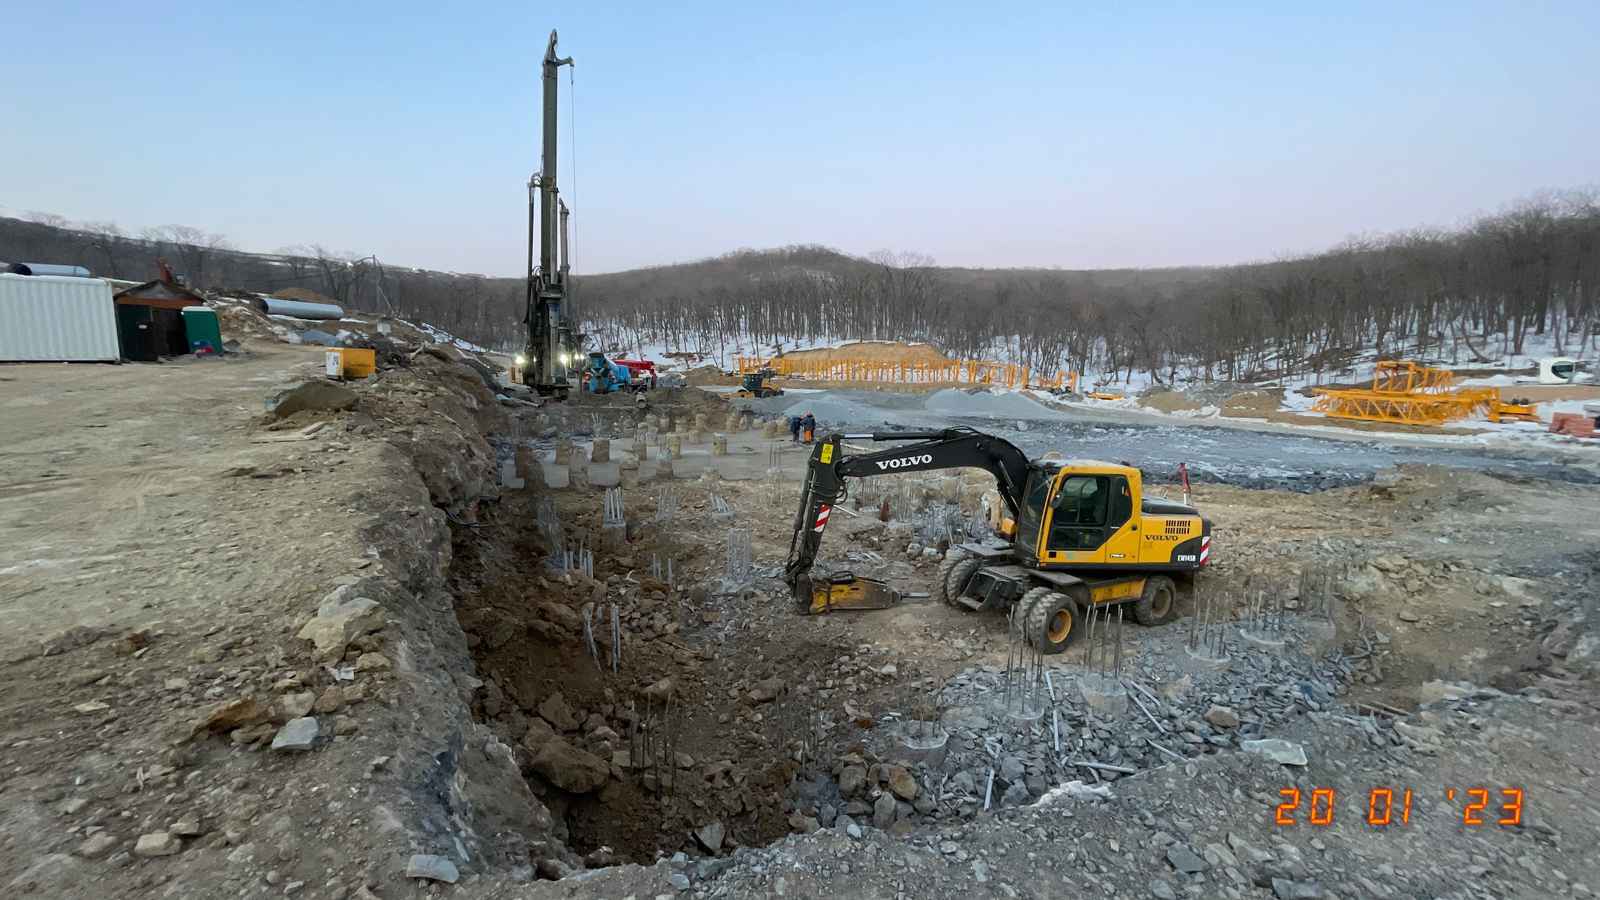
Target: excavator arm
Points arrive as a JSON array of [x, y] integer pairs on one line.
[[949, 448]]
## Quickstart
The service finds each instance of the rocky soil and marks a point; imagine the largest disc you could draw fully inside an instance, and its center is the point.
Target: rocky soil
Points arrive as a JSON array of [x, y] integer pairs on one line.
[[277, 637]]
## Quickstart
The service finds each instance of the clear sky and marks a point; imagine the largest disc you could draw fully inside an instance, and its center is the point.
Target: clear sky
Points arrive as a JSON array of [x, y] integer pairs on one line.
[[1078, 135]]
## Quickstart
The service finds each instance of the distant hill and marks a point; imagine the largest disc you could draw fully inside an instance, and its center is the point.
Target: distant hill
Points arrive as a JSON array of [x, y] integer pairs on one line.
[[1456, 297]]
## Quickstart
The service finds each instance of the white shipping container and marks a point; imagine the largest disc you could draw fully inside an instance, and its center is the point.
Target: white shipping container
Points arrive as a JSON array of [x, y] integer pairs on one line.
[[49, 318]]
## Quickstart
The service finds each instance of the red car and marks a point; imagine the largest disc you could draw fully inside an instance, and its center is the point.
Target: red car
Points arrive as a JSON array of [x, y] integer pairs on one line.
[[642, 369]]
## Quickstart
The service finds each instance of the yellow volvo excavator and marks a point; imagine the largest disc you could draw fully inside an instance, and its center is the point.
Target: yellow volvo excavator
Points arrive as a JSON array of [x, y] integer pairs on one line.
[[1080, 534]]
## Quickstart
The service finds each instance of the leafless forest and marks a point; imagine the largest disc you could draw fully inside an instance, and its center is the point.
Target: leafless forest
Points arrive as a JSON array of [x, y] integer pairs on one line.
[[1460, 295]]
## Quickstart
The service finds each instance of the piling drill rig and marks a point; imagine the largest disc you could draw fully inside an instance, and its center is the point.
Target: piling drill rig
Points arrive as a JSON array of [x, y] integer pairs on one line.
[[1079, 534], [552, 355]]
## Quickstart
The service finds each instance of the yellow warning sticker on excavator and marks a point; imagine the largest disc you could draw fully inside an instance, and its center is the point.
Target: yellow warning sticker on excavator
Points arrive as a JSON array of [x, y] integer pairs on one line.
[[827, 453]]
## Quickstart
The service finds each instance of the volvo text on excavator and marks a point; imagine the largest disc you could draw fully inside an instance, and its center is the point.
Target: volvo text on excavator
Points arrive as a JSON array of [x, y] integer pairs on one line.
[[1079, 533]]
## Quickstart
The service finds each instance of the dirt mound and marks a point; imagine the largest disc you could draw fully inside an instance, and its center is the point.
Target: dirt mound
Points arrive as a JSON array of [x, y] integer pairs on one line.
[[305, 295], [240, 322], [1168, 401], [710, 375], [1253, 404], [894, 352], [1238, 400]]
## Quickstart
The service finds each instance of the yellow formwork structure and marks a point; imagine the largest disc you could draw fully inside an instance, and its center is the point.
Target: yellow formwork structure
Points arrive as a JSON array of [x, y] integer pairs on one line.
[[973, 372], [1405, 393]]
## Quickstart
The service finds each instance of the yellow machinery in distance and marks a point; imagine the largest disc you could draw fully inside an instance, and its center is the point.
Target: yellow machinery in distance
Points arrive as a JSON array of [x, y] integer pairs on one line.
[[1406, 393], [757, 384], [953, 372]]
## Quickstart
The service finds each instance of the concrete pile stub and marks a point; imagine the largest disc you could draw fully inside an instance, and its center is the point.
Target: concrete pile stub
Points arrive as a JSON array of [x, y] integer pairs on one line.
[[556, 475], [509, 478]]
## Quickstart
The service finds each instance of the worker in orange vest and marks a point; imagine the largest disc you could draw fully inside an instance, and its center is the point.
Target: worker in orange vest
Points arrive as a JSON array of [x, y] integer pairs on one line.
[[808, 425]]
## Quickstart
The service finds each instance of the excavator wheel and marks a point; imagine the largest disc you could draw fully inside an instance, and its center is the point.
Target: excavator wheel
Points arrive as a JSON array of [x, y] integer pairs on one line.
[[1052, 622], [1025, 606], [960, 574], [1158, 605], [951, 559]]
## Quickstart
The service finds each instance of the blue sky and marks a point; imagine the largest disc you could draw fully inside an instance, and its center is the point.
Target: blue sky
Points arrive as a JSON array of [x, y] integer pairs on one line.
[[1079, 137]]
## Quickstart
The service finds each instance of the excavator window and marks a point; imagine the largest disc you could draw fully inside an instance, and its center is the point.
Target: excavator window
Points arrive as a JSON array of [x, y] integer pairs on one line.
[[1032, 512], [1081, 509], [1121, 502]]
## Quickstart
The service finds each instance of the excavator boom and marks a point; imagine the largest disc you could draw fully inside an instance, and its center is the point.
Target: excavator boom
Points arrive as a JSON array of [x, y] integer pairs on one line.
[[949, 448]]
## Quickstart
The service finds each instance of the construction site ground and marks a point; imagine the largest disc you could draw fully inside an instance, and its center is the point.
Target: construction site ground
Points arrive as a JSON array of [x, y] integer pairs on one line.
[[183, 573]]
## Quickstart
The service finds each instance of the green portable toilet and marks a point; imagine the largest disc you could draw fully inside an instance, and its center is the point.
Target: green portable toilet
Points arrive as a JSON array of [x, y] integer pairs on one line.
[[203, 329]]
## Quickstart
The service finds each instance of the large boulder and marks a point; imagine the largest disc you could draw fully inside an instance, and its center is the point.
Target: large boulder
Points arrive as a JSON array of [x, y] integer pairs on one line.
[[340, 619], [568, 768], [562, 615], [902, 783], [1584, 657], [557, 712], [883, 811], [851, 780], [767, 690]]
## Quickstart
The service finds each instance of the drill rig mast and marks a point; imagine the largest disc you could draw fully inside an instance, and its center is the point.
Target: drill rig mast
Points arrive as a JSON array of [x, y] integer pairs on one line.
[[552, 349]]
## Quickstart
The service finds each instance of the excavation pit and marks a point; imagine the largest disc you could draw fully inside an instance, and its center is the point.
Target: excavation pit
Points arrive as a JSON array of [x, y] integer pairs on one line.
[[581, 710]]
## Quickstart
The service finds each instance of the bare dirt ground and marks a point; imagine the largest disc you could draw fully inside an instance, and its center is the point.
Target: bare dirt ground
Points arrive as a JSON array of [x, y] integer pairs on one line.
[[185, 582]]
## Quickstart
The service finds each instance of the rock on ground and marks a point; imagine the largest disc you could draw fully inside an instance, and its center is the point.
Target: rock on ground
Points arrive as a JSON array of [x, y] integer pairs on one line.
[[710, 836], [297, 734], [569, 768], [157, 843], [340, 619], [432, 868]]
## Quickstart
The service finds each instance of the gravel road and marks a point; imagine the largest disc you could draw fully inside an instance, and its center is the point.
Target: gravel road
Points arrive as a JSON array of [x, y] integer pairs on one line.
[[1245, 454]]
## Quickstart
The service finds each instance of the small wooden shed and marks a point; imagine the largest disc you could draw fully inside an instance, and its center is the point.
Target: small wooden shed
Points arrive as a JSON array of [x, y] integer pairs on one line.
[[150, 319]]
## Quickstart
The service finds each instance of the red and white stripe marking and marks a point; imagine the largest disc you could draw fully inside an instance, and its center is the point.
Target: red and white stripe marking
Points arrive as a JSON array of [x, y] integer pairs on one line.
[[822, 517], [1205, 549]]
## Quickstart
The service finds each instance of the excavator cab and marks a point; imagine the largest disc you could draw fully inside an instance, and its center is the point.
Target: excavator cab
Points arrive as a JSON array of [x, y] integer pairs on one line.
[[754, 385]]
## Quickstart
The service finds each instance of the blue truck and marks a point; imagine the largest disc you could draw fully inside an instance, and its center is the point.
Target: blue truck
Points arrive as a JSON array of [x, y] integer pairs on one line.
[[605, 377]]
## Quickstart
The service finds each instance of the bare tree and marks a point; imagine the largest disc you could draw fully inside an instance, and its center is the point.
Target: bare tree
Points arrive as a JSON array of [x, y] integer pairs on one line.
[[192, 248]]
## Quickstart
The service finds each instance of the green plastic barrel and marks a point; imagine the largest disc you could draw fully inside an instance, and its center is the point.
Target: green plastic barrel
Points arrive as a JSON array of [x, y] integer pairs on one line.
[[203, 329]]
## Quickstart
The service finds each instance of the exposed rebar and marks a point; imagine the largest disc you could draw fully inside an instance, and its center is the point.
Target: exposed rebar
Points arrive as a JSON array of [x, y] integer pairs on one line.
[[666, 505], [739, 557], [616, 637], [614, 517]]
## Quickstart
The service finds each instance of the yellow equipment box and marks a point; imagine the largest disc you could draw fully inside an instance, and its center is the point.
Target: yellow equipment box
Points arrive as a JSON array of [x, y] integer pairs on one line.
[[351, 362]]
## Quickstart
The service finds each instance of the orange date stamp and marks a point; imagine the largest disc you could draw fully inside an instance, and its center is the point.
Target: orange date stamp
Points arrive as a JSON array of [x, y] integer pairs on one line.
[[1387, 806]]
